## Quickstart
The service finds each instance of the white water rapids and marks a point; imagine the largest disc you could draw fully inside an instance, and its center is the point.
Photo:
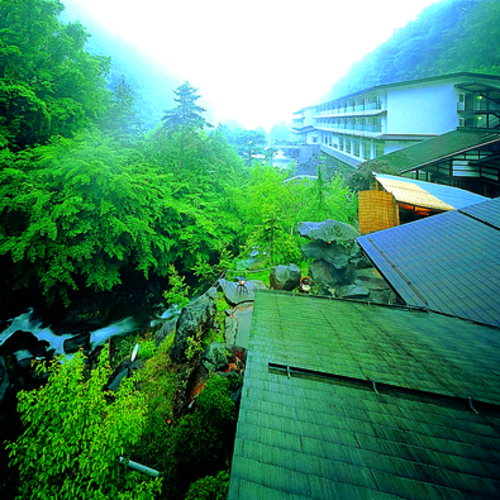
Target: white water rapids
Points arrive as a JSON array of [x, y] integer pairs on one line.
[[26, 322]]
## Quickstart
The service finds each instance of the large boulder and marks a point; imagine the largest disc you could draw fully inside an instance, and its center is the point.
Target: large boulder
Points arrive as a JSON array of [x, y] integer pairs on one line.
[[324, 273], [194, 321], [230, 329], [167, 329], [235, 294], [329, 231], [336, 255], [285, 277], [352, 292], [215, 358]]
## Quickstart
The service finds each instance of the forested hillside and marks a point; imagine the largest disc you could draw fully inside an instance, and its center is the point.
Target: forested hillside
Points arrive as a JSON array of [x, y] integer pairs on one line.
[[88, 200], [151, 82], [447, 37]]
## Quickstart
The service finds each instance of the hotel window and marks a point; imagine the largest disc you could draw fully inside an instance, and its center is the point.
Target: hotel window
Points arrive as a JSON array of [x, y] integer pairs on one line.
[[366, 150], [348, 146], [379, 149], [341, 143], [356, 149]]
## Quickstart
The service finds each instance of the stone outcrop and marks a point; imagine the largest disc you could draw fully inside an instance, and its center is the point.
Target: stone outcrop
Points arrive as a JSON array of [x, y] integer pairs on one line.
[[285, 277], [215, 358], [230, 329], [329, 231], [194, 321], [167, 329], [339, 267]]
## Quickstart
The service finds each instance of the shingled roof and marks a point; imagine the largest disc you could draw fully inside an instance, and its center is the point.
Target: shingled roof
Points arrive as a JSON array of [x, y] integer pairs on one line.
[[350, 400], [439, 148], [448, 263]]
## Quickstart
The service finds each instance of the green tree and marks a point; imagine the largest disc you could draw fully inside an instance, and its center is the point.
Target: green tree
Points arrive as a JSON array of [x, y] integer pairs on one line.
[[76, 212], [272, 207], [49, 84], [75, 432], [250, 143], [187, 114]]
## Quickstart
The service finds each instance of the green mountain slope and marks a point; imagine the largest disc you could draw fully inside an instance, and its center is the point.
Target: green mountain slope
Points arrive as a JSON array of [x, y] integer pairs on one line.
[[447, 37], [152, 83]]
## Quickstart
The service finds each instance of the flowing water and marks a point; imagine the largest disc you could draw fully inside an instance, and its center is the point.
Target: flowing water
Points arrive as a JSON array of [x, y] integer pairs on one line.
[[28, 323]]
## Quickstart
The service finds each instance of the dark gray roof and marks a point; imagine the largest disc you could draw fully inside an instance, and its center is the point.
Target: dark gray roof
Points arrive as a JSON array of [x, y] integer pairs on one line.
[[488, 212], [449, 263], [324, 431], [438, 149]]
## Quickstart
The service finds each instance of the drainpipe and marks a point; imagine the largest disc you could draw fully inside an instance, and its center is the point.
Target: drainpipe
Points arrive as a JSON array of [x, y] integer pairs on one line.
[[139, 467]]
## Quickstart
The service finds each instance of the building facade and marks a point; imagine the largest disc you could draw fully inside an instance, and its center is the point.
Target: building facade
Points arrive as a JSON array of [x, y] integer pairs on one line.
[[372, 122]]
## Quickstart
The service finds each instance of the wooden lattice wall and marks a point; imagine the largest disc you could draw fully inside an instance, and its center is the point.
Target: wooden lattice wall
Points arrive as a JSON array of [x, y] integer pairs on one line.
[[377, 210]]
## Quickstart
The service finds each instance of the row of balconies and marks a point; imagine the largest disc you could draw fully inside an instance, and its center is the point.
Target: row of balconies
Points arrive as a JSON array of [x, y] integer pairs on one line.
[[350, 127], [359, 108]]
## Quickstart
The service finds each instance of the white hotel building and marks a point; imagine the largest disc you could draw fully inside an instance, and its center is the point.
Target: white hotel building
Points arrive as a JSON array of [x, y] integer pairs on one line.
[[382, 119]]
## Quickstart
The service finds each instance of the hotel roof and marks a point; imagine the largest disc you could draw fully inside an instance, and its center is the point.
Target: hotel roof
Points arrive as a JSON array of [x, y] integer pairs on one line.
[[350, 400], [404, 83], [439, 148], [448, 263]]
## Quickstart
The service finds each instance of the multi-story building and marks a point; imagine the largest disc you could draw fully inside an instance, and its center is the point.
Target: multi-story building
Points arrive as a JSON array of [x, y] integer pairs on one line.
[[382, 119]]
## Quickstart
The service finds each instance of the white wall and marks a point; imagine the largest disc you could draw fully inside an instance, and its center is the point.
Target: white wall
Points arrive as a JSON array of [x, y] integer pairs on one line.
[[429, 108]]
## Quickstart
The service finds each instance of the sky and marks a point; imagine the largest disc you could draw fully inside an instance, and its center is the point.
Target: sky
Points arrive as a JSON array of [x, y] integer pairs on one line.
[[255, 61]]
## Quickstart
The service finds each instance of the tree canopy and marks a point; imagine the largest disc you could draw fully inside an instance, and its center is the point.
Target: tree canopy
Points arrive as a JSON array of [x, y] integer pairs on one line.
[[49, 84], [187, 114]]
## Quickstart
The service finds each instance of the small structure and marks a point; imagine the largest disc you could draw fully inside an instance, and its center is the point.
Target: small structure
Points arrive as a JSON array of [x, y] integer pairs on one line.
[[349, 400], [396, 199]]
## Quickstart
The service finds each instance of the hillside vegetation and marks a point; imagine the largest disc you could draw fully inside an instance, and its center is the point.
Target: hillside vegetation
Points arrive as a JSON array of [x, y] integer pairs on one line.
[[448, 37]]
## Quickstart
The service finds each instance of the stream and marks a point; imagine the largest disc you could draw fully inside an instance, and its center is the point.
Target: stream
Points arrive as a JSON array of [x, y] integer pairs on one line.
[[27, 322]]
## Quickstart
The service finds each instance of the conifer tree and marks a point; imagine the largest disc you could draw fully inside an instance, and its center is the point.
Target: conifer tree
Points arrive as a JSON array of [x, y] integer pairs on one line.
[[187, 114]]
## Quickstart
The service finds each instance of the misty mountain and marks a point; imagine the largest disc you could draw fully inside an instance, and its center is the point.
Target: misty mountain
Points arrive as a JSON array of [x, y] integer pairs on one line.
[[447, 37], [152, 83]]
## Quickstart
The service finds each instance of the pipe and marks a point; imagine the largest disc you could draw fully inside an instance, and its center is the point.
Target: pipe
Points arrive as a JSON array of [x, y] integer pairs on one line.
[[139, 467]]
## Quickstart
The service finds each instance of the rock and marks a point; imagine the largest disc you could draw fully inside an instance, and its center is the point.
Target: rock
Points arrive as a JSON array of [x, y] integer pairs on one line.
[[230, 329], [195, 320], [352, 292], [125, 369], [285, 277], [323, 273], [24, 358], [383, 296], [371, 279], [74, 343], [167, 329], [215, 358], [329, 231], [235, 295], [4, 378], [358, 258], [336, 255]]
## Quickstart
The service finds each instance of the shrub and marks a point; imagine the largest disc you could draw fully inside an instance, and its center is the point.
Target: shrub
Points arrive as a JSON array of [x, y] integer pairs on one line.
[[75, 433], [210, 488]]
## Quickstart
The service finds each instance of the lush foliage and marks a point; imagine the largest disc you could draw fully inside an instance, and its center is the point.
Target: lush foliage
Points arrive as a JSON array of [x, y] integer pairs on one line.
[[75, 432], [190, 447], [187, 114], [210, 488], [273, 207], [49, 85], [448, 37]]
